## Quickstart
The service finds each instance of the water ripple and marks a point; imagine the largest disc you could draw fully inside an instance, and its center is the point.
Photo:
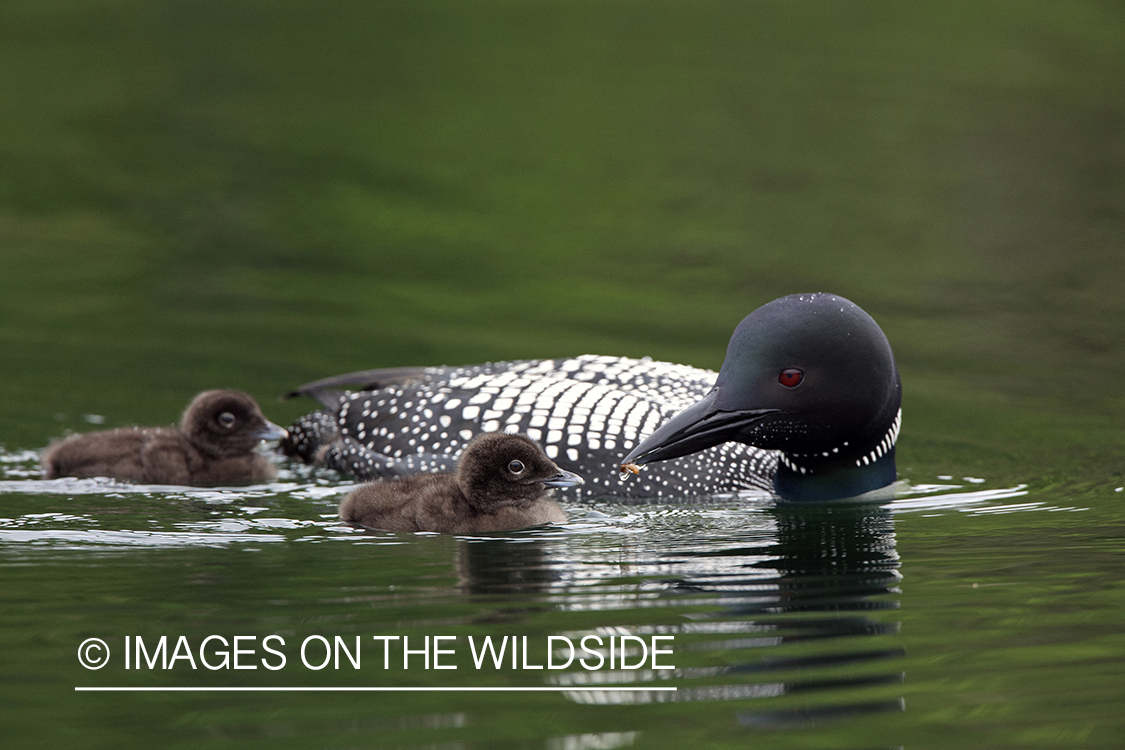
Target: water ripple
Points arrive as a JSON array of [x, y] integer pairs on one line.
[[70, 539]]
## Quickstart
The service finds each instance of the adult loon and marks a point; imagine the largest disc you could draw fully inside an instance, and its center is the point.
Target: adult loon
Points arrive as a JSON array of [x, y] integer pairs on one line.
[[503, 481], [214, 444], [806, 405]]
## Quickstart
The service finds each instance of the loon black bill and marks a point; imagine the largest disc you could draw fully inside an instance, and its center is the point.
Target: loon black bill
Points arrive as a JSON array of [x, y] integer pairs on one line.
[[696, 428]]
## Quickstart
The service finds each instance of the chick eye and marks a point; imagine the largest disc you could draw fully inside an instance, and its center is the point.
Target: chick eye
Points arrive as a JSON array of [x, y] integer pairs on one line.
[[226, 419], [791, 378], [516, 467]]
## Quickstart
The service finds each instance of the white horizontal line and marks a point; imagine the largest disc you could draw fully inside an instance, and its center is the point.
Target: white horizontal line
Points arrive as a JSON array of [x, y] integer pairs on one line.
[[370, 689]]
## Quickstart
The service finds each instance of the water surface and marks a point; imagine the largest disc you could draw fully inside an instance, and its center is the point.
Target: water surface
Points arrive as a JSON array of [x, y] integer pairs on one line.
[[859, 625]]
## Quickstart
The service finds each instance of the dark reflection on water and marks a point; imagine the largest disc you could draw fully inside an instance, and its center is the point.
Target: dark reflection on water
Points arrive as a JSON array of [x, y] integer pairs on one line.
[[824, 558], [836, 562], [499, 566]]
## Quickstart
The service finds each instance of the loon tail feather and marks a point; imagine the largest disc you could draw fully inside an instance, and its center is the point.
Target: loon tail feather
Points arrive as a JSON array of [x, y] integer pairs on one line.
[[327, 391]]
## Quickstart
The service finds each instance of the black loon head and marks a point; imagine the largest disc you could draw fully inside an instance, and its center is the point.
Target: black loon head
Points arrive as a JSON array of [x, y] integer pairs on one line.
[[508, 469], [809, 375], [227, 423]]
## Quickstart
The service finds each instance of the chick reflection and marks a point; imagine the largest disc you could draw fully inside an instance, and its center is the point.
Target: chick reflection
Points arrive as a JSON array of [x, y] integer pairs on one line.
[[504, 566]]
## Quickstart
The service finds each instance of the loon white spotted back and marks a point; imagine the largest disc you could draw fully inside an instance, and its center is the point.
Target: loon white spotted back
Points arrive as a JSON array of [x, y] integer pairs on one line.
[[806, 405], [587, 411]]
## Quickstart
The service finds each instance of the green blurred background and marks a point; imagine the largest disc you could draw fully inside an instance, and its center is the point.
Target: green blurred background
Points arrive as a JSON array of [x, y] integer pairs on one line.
[[201, 194]]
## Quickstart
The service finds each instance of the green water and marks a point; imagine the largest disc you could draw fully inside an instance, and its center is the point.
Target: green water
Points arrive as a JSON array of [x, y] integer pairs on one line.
[[254, 195]]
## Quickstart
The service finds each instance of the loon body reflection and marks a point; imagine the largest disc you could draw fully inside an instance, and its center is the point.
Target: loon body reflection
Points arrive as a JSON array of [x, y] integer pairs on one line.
[[503, 482], [806, 405], [214, 444]]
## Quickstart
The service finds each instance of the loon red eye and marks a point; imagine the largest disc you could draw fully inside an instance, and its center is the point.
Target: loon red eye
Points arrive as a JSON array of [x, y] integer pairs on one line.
[[791, 378]]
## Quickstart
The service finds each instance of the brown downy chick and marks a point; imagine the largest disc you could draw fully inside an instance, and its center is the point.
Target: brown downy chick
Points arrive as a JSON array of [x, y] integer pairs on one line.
[[503, 482], [214, 445]]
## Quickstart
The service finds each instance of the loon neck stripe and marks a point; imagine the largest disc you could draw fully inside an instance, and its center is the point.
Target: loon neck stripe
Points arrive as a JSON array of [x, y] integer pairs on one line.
[[885, 444], [883, 447]]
